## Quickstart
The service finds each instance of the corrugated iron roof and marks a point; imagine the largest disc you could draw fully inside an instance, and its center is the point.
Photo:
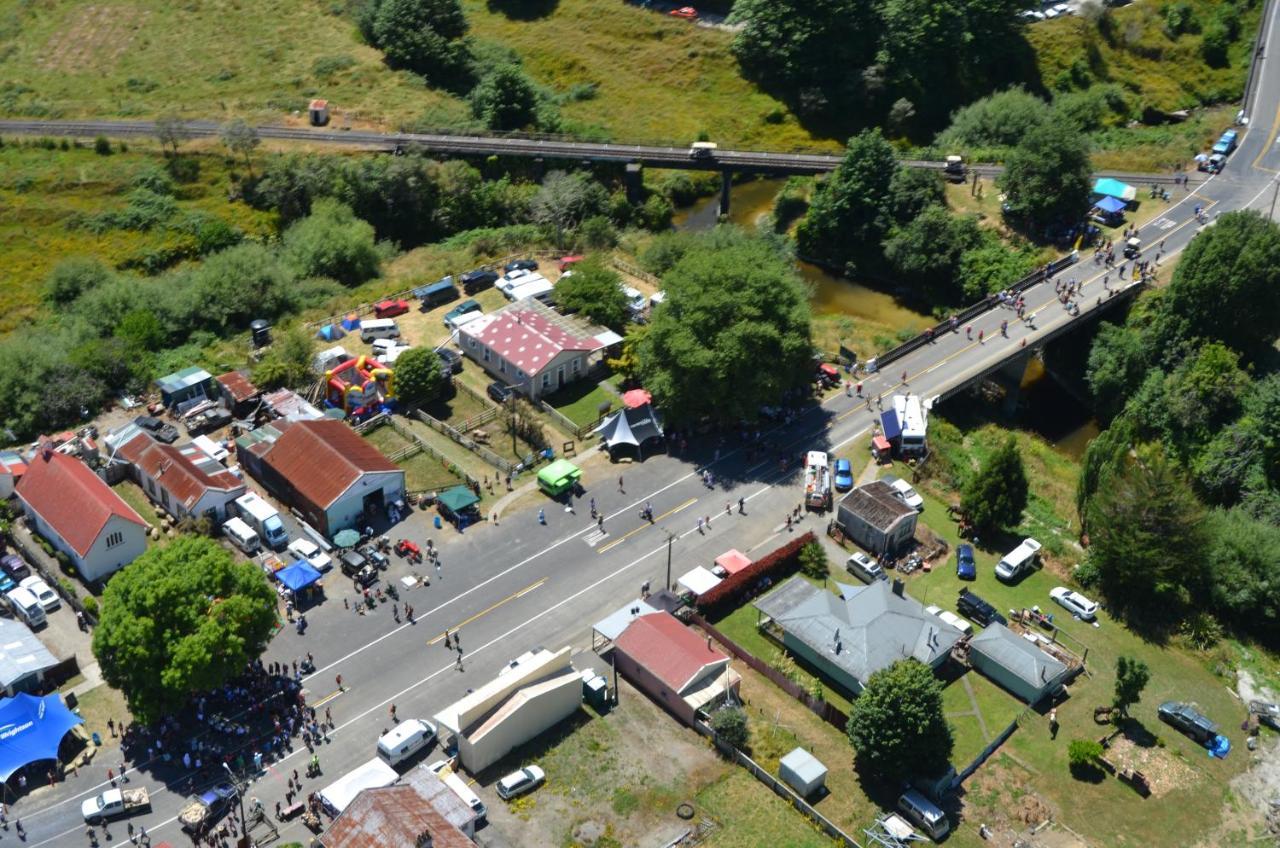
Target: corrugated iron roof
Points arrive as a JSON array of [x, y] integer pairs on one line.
[[670, 651], [322, 459], [392, 816]]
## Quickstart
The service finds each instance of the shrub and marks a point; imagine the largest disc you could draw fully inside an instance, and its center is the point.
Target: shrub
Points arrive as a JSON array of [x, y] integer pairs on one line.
[[730, 724], [813, 561], [1083, 756], [101, 146], [91, 606], [776, 565]]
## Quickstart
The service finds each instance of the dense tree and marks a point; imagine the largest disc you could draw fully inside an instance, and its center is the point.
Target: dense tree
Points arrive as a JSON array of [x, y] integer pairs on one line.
[[733, 333], [332, 242], [999, 120], [813, 561], [1132, 676], [241, 139], [991, 267], [566, 199], [1242, 557], [182, 618], [926, 253], [74, 276], [730, 724], [897, 726], [1047, 176], [791, 47], [1147, 538], [288, 362], [235, 286], [912, 190], [1118, 362], [596, 291], [419, 375], [425, 36], [1226, 287], [995, 497], [505, 99], [850, 210]]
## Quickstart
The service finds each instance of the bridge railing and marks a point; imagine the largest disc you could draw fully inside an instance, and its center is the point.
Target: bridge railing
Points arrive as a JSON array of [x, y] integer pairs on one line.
[[1040, 274]]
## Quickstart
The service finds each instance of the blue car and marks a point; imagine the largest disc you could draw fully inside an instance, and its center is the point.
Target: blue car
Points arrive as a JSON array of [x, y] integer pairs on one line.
[[966, 568], [844, 475]]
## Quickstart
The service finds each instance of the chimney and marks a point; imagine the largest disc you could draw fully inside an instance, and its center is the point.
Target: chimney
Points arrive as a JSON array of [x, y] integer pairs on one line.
[[708, 643], [46, 448], [424, 840], [898, 587]]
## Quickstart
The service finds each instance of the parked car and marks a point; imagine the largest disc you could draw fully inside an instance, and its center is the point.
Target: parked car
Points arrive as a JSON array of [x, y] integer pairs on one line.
[[950, 618], [390, 308], [966, 568], [521, 265], [310, 553], [161, 430], [459, 310], [519, 782], [843, 475], [1188, 719], [1227, 143], [1213, 164], [1074, 603], [14, 567], [977, 610], [864, 567], [687, 12], [500, 392], [208, 421], [450, 360], [478, 280], [356, 566], [566, 262], [1017, 561], [905, 493], [47, 597]]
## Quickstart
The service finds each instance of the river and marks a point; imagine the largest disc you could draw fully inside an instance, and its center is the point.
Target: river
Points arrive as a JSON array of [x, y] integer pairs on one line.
[[1046, 409]]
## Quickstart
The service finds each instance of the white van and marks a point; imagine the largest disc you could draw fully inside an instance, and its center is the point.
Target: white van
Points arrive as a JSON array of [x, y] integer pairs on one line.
[[637, 303], [460, 788], [924, 813], [264, 519], [1018, 560], [242, 536], [406, 740], [379, 328], [27, 607]]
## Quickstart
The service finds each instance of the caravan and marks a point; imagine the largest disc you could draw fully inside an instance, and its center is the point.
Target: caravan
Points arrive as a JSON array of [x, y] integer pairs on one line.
[[264, 519], [911, 420]]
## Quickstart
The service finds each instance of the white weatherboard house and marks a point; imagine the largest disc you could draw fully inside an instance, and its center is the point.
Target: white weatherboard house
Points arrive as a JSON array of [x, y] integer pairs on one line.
[[79, 514]]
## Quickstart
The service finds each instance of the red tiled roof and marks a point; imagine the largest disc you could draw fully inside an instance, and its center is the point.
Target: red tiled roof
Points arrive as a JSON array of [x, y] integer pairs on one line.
[[528, 340], [237, 385], [670, 651], [72, 499], [174, 471], [322, 459], [392, 816]]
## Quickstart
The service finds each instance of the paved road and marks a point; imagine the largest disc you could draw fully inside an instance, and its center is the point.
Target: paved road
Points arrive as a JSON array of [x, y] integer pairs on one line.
[[735, 161], [518, 585]]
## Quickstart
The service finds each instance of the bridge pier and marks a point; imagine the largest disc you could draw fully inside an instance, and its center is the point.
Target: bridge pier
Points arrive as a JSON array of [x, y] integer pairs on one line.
[[635, 183], [1010, 375], [726, 184]]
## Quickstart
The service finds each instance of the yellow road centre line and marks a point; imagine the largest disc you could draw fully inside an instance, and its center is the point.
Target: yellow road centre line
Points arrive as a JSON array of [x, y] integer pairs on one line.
[[484, 612], [623, 538]]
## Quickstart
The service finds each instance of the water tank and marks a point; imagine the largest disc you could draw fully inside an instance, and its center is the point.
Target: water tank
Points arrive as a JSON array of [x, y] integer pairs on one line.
[[261, 332]]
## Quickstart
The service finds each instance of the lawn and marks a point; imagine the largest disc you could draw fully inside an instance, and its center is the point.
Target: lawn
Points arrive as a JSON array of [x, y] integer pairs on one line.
[[44, 192], [580, 402], [634, 74], [967, 697], [747, 815], [422, 471], [136, 498]]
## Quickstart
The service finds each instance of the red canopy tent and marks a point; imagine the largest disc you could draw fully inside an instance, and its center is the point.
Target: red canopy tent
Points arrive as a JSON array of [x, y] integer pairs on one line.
[[637, 398]]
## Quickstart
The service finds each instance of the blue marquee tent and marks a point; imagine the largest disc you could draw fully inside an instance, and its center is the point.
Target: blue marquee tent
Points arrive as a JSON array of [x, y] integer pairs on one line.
[[298, 576], [1114, 188], [1111, 205], [330, 332], [31, 729]]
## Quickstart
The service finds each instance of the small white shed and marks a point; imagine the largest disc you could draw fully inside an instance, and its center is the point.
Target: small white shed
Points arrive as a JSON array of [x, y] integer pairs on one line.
[[802, 772]]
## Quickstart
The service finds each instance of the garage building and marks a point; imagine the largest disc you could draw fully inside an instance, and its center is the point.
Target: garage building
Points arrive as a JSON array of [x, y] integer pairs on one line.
[[1016, 664]]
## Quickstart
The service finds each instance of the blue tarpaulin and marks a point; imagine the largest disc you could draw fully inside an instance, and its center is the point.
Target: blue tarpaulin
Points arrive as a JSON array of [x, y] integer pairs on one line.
[[1111, 204], [889, 422], [1219, 747], [1114, 188], [298, 576], [31, 728]]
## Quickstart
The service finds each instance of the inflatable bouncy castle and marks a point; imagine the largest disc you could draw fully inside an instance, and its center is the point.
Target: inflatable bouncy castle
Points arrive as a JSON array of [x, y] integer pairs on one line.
[[360, 386]]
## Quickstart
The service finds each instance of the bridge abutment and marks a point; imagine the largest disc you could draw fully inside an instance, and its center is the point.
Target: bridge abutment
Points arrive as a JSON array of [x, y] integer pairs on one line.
[[726, 185], [635, 183]]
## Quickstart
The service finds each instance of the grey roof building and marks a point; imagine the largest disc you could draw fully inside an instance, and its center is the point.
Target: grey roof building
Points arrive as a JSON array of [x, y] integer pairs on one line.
[[803, 772], [1016, 664], [23, 658], [875, 518], [852, 635]]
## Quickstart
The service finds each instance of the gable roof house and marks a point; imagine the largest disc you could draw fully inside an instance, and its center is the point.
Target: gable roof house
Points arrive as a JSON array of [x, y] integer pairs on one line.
[[79, 514], [674, 665], [528, 345], [185, 480], [875, 518], [1016, 663], [862, 630], [328, 472]]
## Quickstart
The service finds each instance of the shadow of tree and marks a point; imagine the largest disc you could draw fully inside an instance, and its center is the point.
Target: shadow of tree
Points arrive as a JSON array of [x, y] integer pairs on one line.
[[523, 10]]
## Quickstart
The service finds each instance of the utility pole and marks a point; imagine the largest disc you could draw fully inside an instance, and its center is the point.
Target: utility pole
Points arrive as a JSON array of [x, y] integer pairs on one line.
[[244, 826], [515, 451], [671, 537], [1272, 214]]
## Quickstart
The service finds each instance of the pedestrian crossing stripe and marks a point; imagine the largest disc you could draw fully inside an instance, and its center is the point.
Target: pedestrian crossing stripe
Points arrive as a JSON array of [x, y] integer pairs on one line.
[[595, 537], [1165, 224]]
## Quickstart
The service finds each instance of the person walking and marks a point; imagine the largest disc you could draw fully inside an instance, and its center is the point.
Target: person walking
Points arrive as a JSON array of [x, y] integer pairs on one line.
[[339, 682], [742, 506], [600, 522], [542, 516], [700, 531], [620, 489]]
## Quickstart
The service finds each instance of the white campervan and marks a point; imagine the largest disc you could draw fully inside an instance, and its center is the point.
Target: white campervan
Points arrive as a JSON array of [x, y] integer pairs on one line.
[[264, 519], [242, 536], [26, 606], [1018, 560], [406, 740], [379, 328]]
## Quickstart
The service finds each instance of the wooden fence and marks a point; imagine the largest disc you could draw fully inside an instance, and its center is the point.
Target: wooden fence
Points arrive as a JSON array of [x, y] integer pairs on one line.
[[416, 445], [779, 788], [503, 465]]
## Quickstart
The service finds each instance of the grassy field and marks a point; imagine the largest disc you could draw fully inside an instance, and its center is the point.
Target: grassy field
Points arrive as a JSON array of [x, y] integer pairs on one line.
[[43, 193], [136, 498], [580, 402], [422, 471], [653, 77]]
